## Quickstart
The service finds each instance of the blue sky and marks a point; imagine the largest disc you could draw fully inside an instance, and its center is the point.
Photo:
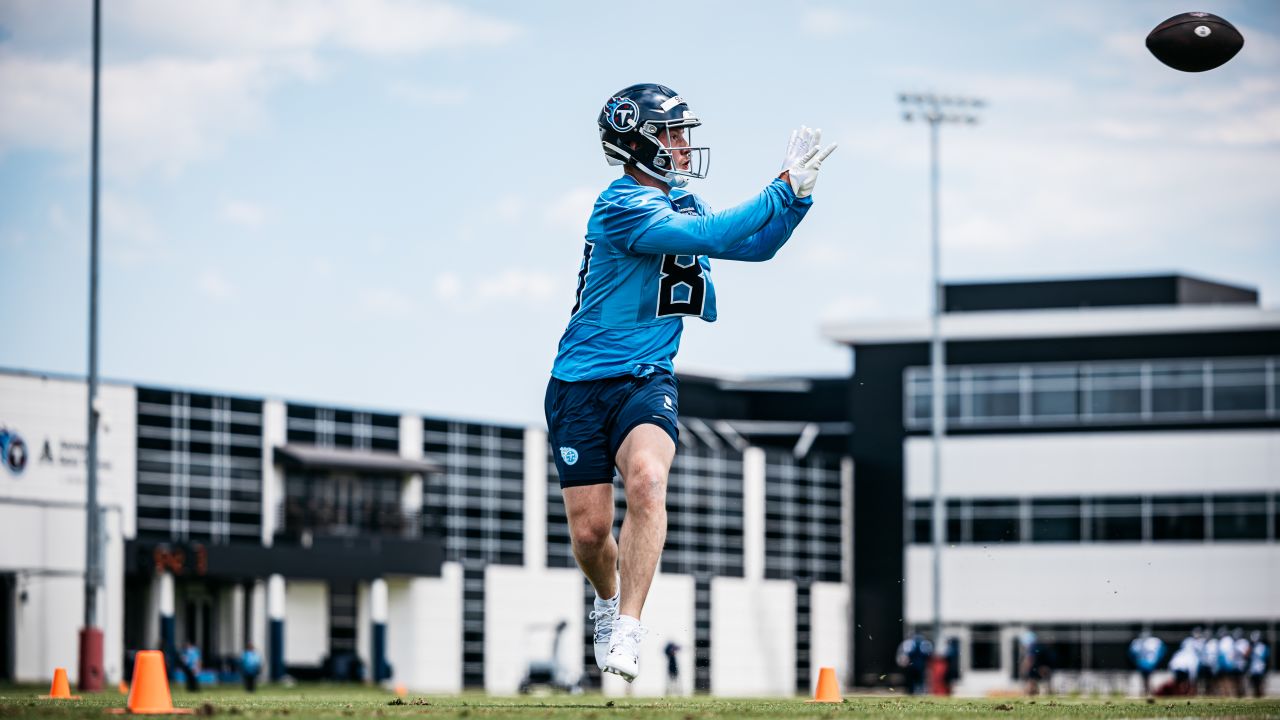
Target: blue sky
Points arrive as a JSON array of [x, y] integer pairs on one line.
[[380, 203]]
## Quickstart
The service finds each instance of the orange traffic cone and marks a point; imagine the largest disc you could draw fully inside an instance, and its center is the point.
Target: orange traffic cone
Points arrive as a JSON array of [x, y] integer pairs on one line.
[[61, 689], [401, 690], [123, 687], [149, 693], [828, 691]]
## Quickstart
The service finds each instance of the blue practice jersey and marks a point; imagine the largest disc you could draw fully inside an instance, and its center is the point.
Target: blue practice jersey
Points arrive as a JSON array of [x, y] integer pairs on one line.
[[646, 266]]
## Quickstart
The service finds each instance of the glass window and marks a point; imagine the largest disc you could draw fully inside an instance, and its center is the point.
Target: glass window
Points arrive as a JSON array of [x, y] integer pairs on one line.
[[957, 519], [1114, 391], [1177, 388], [1177, 518], [996, 521], [1240, 517], [1054, 392], [1109, 649], [1056, 520], [984, 647], [1116, 519], [1063, 644], [921, 521], [920, 392], [996, 393], [1239, 387]]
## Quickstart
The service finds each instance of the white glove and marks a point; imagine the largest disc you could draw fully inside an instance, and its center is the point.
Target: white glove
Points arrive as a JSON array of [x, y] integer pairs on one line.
[[804, 159], [801, 141]]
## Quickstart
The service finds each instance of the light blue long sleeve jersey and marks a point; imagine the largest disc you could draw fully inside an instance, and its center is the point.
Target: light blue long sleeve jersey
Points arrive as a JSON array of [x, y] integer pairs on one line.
[[646, 267]]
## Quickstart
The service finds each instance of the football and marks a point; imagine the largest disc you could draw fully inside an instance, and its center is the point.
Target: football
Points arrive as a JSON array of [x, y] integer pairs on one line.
[[1194, 41]]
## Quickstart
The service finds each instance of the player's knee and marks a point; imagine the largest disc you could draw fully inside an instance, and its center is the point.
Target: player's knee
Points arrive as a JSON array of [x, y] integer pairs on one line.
[[647, 488], [592, 534]]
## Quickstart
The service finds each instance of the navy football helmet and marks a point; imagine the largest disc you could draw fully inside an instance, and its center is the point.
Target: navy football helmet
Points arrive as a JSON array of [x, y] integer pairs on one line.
[[633, 131]]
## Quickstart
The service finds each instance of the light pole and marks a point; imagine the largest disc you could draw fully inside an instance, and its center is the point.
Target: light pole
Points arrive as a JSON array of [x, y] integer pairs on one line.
[[91, 679], [937, 110]]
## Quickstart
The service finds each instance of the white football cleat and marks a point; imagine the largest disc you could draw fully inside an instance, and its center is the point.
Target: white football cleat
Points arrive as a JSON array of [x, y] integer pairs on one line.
[[605, 612], [624, 653]]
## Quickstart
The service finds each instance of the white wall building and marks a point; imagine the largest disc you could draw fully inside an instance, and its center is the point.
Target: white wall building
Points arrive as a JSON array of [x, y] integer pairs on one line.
[[1111, 466], [235, 520]]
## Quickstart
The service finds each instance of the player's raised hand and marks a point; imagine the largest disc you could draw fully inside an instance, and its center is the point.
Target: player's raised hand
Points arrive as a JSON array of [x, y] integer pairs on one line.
[[801, 141], [802, 173]]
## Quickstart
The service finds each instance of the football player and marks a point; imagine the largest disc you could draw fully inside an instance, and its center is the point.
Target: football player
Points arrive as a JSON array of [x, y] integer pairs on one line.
[[612, 399]]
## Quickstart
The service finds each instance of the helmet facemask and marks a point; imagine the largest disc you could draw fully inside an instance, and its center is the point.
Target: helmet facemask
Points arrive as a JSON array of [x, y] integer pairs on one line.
[[669, 152]]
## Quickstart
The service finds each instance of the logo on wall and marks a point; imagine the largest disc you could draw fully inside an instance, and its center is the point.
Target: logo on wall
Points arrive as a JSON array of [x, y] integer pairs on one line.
[[13, 451]]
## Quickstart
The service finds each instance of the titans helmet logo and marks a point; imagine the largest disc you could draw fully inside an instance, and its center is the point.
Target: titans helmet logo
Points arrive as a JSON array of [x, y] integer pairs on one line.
[[569, 454], [623, 113]]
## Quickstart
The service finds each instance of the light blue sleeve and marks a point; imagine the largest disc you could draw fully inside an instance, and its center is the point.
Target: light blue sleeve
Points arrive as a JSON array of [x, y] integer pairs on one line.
[[752, 231]]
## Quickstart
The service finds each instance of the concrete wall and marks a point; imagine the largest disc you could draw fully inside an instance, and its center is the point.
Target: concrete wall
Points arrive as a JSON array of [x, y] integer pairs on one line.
[[1219, 461], [753, 638], [1101, 582], [306, 622], [50, 416], [829, 613], [424, 631], [45, 547], [521, 608], [42, 517]]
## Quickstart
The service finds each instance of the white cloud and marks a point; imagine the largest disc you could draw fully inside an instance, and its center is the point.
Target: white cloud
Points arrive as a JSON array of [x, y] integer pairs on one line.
[[431, 95], [851, 307], [448, 287], [384, 301], [46, 104], [206, 72], [129, 234], [824, 254], [320, 267], [215, 286], [245, 214], [508, 285], [156, 114], [517, 285], [380, 27], [571, 209], [831, 21], [512, 207]]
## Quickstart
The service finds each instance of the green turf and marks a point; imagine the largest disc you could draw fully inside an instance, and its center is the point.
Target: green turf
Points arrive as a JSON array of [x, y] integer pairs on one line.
[[341, 702]]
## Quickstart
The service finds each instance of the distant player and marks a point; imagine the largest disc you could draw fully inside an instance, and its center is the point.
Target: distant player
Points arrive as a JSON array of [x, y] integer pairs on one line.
[[1206, 681], [672, 651], [1146, 651], [913, 657], [612, 399], [1258, 659], [1226, 662], [1184, 665]]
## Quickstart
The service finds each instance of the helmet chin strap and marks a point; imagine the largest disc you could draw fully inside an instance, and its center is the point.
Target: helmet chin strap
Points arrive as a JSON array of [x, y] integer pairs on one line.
[[670, 178]]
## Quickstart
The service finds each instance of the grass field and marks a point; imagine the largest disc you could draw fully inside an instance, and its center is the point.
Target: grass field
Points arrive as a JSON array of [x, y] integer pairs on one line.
[[339, 703]]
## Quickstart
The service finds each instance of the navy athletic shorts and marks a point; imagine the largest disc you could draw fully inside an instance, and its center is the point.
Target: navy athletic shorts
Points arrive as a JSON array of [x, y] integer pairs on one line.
[[588, 420]]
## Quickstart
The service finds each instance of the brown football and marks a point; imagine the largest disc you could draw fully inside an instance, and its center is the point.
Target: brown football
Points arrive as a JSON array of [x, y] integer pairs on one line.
[[1194, 41]]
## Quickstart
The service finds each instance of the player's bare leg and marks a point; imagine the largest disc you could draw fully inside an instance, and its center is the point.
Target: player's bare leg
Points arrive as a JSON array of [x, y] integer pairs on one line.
[[644, 461], [590, 511]]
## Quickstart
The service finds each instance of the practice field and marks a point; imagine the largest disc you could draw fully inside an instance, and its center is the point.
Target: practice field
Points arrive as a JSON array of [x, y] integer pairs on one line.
[[306, 703]]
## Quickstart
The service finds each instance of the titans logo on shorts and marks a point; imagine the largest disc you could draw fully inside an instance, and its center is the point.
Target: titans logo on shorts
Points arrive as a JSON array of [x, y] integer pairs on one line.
[[588, 420]]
